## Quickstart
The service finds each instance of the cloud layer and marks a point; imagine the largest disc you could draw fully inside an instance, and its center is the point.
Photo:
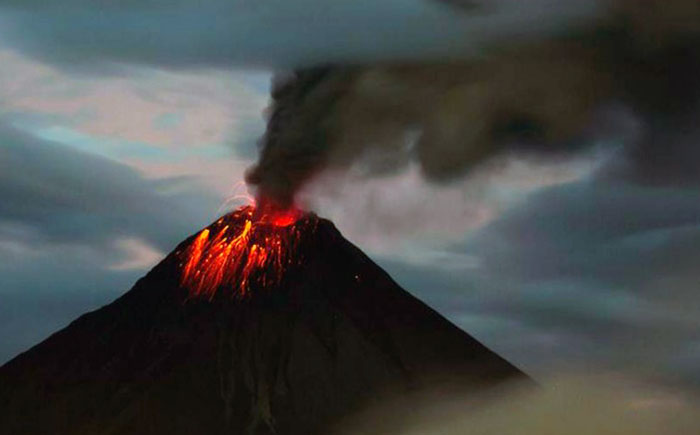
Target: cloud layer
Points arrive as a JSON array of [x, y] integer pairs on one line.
[[101, 35]]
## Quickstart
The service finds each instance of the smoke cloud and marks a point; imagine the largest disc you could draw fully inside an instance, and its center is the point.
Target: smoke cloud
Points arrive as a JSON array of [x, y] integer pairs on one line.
[[537, 96]]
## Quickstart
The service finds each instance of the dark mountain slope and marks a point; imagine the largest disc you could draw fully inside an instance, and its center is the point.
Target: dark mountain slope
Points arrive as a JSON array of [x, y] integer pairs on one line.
[[335, 334]]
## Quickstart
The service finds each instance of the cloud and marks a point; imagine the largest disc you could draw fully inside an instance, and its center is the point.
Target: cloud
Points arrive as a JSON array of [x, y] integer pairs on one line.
[[547, 96], [591, 273], [83, 34], [166, 124], [68, 196], [665, 154], [402, 214], [138, 255], [607, 223]]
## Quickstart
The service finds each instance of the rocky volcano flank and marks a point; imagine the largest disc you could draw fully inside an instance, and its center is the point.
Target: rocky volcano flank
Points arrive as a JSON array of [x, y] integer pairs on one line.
[[317, 333]]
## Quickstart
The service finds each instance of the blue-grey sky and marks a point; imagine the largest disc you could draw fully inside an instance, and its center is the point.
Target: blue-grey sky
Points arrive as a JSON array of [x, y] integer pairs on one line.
[[123, 128]]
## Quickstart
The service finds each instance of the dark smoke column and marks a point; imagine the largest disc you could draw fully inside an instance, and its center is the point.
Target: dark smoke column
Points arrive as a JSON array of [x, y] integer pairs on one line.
[[295, 144]]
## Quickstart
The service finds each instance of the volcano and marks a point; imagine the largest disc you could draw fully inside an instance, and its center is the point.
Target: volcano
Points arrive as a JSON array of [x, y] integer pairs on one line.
[[255, 325]]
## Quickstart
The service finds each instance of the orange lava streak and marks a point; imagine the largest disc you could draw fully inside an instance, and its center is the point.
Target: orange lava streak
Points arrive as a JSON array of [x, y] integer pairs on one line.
[[196, 252], [248, 250]]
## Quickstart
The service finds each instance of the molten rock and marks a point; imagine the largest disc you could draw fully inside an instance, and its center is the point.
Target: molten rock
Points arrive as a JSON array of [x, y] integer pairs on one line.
[[261, 323], [245, 248]]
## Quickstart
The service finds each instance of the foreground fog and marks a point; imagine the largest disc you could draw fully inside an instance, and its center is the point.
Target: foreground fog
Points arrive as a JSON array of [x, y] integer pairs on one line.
[[605, 405]]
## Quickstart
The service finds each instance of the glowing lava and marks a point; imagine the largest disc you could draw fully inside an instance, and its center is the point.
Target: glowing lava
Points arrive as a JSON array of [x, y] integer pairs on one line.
[[244, 249]]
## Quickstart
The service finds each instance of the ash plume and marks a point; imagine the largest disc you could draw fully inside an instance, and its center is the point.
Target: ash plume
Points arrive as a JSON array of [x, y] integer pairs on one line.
[[533, 96]]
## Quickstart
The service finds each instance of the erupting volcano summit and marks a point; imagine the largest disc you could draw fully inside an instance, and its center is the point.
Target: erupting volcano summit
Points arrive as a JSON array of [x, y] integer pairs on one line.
[[249, 247], [261, 323]]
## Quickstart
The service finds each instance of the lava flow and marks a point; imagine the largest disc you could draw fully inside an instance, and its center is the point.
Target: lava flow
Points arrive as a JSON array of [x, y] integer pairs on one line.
[[248, 248]]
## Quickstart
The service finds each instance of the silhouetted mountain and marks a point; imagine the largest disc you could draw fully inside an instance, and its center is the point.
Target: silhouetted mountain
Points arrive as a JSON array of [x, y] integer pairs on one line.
[[334, 334]]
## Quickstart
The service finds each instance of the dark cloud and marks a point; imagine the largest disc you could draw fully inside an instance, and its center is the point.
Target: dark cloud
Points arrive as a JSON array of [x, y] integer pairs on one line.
[[55, 194], [449, 117], [594, 228], [89, 34], [467, 5], [667, 153], [526, 96]]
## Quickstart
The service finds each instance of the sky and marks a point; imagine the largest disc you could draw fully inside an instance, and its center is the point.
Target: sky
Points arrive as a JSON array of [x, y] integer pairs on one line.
[[123, 129]]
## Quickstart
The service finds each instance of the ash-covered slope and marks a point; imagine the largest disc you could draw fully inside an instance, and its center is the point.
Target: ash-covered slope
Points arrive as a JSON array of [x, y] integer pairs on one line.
[[333, 335]]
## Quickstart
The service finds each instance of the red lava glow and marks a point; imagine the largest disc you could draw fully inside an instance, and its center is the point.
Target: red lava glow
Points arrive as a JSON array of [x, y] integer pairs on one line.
[[285, 219], [244, 249]]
